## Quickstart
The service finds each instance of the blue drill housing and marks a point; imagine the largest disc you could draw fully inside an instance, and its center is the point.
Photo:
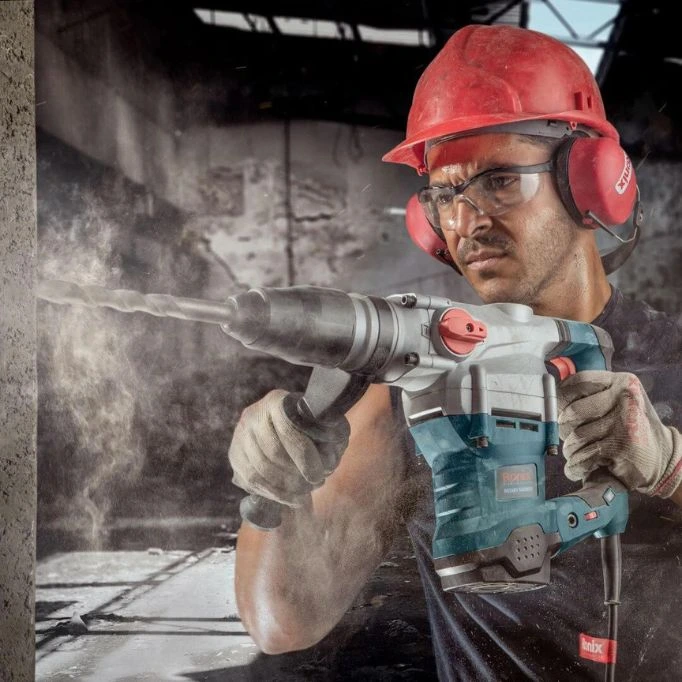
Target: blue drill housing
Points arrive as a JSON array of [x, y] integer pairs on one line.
[[481, 494], [488, 473]]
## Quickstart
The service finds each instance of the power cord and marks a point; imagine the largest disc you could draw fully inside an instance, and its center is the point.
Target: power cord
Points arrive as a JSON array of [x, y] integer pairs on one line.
[[611, 560]]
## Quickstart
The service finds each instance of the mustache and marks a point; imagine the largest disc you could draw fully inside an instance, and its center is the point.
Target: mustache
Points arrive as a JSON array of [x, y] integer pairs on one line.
[[491, 239]]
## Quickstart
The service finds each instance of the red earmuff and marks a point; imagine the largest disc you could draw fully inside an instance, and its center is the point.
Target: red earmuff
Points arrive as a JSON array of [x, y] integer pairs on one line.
[[596, 181], [423, 233]]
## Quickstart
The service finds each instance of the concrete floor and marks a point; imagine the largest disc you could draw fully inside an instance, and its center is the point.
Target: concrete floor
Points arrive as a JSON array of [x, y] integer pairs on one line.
[[171, 615], [149, 616]]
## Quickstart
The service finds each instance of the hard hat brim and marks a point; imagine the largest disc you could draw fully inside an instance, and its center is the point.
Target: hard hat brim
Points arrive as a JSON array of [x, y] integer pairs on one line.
[[411, 150]]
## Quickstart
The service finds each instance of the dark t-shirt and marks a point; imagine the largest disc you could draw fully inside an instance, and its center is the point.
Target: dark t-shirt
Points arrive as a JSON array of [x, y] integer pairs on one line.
[[534, 635]]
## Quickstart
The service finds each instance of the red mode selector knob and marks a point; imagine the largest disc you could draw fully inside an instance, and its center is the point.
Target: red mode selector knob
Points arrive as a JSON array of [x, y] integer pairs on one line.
[[460, 332], [563, 366]]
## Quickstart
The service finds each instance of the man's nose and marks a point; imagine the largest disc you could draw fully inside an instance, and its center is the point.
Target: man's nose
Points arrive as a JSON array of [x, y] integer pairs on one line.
[[468, 219]]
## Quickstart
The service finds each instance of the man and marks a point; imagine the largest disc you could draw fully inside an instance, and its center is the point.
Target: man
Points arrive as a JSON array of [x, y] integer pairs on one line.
[[499, 121]]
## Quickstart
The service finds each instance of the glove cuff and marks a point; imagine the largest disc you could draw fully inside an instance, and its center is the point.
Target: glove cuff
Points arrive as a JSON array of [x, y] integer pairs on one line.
[[672, 476]]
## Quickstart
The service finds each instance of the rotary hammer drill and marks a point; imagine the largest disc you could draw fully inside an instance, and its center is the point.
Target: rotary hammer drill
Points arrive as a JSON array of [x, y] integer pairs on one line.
[[479, 398]]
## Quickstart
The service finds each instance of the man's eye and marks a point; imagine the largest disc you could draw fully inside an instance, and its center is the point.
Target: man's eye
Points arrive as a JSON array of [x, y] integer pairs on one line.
[[500, 181], [443, 198]]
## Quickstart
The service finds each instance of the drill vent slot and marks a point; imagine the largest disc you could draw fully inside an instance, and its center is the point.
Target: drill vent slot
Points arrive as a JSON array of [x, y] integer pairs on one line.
[[528, 427], [516, 419], [524, 426]]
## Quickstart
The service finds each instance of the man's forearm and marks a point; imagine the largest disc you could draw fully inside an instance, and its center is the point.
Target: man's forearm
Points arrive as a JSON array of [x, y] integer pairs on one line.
[[276, 572], [295, 583]]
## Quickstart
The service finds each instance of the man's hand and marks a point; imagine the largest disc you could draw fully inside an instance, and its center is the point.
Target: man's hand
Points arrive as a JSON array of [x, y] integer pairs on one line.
[[270, 457], [606, 419]]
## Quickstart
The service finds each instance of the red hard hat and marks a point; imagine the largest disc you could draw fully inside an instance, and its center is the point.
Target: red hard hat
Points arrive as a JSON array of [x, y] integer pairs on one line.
[[495, 75]]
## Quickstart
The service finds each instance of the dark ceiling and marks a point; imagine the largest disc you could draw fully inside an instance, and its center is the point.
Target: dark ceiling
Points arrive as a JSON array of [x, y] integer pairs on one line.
[[251, 75]]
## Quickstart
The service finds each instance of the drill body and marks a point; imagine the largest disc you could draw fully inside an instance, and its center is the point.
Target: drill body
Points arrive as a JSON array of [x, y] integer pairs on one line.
[[479, 398]]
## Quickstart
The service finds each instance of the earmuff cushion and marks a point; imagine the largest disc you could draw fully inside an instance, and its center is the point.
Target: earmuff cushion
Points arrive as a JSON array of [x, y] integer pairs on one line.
[[561, 174]]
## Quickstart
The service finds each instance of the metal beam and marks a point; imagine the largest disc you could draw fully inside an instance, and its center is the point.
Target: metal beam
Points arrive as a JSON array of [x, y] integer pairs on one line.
[[564, 22], [500, 13], [273, 25]]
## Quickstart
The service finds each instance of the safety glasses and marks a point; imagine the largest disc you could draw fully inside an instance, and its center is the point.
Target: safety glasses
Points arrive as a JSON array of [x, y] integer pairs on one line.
[[491, 192]]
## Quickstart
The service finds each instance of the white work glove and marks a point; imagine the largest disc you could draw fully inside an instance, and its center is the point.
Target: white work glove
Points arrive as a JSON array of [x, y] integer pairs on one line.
[[272, 458], [606, 420]]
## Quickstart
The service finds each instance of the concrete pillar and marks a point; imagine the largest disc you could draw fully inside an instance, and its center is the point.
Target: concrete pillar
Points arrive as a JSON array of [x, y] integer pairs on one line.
[[17, 342]]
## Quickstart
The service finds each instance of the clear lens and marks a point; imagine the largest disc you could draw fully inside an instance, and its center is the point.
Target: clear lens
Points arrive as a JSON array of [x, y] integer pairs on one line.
[[490, 193]]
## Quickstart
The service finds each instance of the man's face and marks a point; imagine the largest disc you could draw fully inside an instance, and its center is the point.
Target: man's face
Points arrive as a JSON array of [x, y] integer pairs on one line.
[[522, 255]]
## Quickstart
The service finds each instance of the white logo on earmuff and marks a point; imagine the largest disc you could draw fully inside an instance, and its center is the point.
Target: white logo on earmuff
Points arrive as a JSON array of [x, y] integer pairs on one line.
[[625, 176]]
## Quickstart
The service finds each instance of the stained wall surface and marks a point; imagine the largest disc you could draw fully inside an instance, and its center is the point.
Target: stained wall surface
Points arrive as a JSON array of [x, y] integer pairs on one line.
[[136, 412], [17, 342]]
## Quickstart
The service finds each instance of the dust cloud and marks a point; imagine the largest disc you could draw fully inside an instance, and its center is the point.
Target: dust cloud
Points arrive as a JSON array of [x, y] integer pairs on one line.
[[135, 412], [87, 384]]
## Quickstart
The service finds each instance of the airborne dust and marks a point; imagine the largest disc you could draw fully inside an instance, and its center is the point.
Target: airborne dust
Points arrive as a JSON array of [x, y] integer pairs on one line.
[[135, 412]]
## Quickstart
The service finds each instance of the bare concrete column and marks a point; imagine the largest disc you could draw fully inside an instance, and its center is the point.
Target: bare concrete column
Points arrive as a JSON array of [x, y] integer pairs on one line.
[[17, 342]]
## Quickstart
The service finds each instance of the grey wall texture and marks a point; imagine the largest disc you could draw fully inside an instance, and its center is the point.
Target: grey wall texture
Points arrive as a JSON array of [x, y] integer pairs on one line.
[[654, 272], [100, 95], [17, 342]]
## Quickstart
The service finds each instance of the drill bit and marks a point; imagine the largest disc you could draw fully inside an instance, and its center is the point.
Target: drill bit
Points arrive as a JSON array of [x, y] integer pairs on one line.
[[128, 301]]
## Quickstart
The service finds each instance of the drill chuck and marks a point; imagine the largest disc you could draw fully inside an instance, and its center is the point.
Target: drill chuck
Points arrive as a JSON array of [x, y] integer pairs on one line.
[[304, 325], [315, 326]]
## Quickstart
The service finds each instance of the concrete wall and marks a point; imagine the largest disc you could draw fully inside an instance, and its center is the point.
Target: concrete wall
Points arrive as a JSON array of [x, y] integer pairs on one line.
[[317, 213], [140, 410], [17, 342]]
